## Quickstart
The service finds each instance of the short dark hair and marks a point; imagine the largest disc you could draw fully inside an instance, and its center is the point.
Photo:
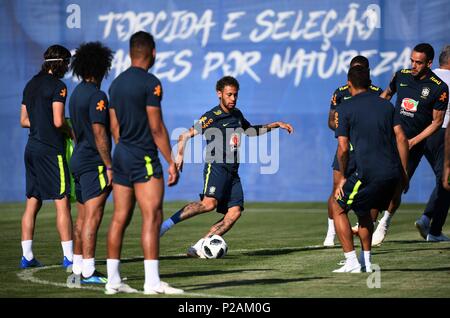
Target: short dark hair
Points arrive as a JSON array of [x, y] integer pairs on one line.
[[226, 81], [359, 76], [359, 60], [141, 44], [425, 48], [444, 57], [92, 59], [56, 59]]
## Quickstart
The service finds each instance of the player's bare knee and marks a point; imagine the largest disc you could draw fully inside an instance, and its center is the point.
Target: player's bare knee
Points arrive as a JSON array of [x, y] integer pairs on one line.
[[209, 204]]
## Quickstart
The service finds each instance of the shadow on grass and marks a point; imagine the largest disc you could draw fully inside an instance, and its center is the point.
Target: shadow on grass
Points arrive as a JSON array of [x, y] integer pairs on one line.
[[438, 269], [286, 250], [202, 273], [249, 282]]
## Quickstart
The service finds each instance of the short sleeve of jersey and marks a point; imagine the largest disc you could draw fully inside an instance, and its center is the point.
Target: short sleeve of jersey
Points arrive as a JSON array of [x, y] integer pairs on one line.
[[442, 98], [396, 119], [98, 108], [154, 93], [342, 124], [393, 84], [60, 93], [25, 96], [204, 122], [335, 100], [244, 122]]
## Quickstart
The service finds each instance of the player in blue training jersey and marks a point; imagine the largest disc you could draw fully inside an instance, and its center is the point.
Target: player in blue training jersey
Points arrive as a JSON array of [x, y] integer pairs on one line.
[[222, 127], [433, 219], [381, 155], [139, 131], [47, 174], [340, 95], [91, 163], [421, 104]]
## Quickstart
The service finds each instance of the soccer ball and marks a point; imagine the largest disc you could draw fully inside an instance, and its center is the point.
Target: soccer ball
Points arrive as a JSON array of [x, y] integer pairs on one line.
[[214, 247]]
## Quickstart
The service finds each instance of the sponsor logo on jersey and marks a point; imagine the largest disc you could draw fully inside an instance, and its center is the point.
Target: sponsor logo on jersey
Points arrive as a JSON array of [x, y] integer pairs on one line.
[[218, 112], [409, 105], [63, 92], [443, 97], [235, 141], [403, 85]]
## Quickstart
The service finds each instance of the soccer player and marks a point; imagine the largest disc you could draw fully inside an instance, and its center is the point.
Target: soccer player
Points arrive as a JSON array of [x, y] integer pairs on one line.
[[432, 220], [91, 163], [422, 99], [139, 131], [340, 95], [47, 174], [381, 157], [222, 127]]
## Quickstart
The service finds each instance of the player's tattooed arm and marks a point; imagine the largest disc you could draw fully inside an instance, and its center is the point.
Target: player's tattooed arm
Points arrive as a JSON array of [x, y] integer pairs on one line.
[[342, 157], [24, 119], [114, 125], [182, 140], [446, 174], [438, 119], [103, 147], [331, 119], [259, 130], [403, 151]]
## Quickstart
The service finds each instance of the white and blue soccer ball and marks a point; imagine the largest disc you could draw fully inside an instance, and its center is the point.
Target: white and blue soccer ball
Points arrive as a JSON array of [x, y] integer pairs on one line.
[[214, 247]]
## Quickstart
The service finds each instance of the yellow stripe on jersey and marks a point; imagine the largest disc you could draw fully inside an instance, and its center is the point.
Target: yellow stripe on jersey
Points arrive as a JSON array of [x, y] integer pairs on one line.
[[148, 166], [353, 194], [207, 177], [101, 177], [62, 176]]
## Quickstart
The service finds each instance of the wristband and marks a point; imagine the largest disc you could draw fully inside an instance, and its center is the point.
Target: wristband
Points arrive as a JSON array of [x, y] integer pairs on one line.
[[108, 168]]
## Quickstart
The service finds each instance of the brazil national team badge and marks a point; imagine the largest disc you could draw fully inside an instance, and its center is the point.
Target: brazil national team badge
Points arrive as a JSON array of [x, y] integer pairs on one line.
[[425, 92]]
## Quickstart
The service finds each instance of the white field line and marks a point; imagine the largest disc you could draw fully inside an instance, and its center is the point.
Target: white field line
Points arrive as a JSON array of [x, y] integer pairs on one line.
[[28, 274]]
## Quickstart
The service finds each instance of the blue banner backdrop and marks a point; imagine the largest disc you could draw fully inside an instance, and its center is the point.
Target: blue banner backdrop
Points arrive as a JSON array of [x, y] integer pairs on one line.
[[289, 56]]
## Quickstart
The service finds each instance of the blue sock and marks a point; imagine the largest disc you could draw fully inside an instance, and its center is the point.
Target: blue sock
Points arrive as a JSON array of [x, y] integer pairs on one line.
[[176, 217]]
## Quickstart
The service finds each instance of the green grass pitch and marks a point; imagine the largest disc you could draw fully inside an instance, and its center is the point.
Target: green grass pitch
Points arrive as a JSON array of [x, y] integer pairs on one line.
[[274, 251]]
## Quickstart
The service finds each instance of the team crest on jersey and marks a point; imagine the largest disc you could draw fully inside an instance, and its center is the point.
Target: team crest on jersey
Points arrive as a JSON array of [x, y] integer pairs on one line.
[[425, 92], [157, 91], [63, 92], [409, 105], [101, 105]]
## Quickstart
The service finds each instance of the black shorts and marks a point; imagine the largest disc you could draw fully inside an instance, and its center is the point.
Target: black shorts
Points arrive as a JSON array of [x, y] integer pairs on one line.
[[91, 184], [223, 184], [351, 165], [362, 197], [434, 152], [47, 176], [133, 165]]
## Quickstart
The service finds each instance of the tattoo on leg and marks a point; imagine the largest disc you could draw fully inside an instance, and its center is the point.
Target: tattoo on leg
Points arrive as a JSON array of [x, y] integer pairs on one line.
[[192, 209]]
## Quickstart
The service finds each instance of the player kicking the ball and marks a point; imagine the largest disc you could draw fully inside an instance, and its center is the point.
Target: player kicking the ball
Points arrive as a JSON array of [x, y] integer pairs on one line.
[[222, 186]]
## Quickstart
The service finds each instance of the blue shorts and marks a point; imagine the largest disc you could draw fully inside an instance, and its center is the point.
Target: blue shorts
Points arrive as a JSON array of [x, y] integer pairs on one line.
[[91, 184], [133, 165], [362, 197], [351, 165], [223, 184], [47, 176]]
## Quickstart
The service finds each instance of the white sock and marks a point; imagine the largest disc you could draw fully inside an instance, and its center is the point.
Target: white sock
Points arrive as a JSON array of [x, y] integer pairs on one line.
[[27, 249], [331, 230], [367, 258], [151, 267], [387, 217], [67, 247], [112, 268], [88, 267], [199, 244], [350, 258], [167, 225], [77, 266]]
